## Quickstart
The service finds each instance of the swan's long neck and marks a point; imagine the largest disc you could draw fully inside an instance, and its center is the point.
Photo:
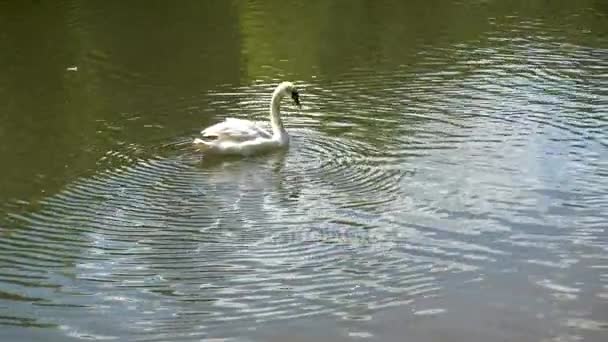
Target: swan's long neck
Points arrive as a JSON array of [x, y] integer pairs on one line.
[[278, 130]]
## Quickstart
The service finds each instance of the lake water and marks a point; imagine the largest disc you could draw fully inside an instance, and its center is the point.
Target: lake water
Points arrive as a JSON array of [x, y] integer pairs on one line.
[[447, 178]]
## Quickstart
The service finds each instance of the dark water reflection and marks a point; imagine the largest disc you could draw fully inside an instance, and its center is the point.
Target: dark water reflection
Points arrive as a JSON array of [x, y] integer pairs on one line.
[[446, 180]]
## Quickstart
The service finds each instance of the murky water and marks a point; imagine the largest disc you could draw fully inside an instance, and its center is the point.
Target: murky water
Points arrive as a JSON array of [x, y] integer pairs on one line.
[[447, 177]]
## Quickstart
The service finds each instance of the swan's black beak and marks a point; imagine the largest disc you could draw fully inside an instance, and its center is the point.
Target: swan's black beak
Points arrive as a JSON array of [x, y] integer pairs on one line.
[[296, 98]]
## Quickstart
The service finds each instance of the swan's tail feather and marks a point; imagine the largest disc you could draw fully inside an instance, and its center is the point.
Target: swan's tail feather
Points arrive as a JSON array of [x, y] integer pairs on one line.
[[201, 144]]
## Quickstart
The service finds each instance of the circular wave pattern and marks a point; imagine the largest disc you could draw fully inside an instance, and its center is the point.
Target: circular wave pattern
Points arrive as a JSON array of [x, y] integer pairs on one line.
[[169, 238], [397, 185]]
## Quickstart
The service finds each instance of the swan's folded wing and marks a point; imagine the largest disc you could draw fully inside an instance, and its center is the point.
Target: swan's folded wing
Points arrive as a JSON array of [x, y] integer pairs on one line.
[[236, 130]]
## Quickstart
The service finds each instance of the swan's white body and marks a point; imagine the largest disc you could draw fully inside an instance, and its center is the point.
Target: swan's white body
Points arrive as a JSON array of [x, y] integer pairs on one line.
[[237, 136]]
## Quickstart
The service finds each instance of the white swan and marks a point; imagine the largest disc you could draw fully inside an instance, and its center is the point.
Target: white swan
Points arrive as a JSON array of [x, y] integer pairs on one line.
[[236, 136]]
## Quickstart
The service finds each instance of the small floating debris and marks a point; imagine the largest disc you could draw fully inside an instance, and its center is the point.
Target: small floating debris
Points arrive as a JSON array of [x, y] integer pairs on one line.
[[72, 68]]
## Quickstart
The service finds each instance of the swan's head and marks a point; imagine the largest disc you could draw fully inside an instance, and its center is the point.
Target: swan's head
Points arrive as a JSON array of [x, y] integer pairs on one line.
[[289, 89]]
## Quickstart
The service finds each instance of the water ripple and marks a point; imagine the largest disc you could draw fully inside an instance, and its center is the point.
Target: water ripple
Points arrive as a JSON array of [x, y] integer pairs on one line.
[[398, 185]]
